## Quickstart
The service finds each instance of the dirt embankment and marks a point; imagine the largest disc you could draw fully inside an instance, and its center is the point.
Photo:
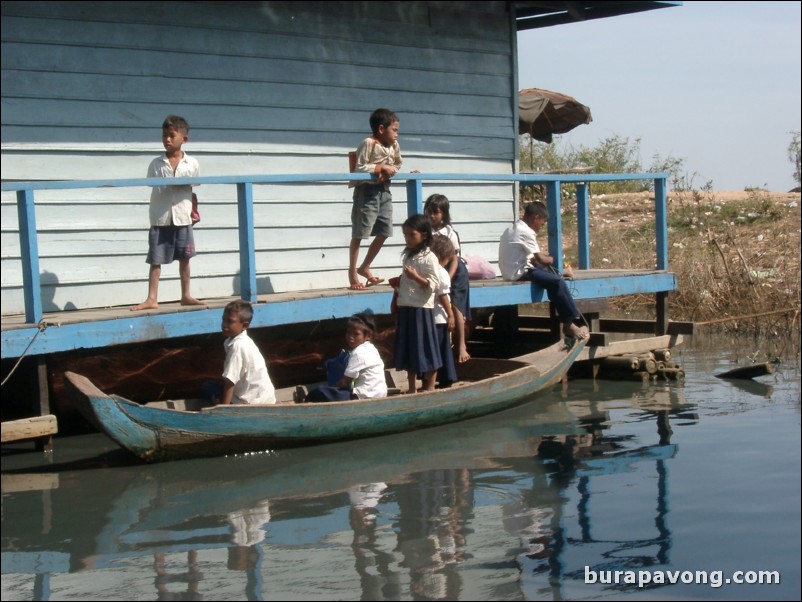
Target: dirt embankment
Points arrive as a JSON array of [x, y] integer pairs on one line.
[[735, 253]]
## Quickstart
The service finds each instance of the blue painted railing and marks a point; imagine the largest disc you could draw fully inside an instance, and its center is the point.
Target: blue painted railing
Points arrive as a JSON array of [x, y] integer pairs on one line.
[[414, 182]]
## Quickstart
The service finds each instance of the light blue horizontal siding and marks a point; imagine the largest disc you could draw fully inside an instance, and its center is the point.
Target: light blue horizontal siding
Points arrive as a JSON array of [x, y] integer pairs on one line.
[[269, 87]]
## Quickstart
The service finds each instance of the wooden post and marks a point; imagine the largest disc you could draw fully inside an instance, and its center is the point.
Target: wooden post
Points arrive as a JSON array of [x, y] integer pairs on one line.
[[247, 251], [555, 224], [414, 197], [42, 405], [505, 330], [29, 252], [583, 226], [661, 313]]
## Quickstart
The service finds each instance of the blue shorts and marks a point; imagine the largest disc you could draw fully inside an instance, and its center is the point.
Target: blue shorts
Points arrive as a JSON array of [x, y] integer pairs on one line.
[[372, 213], [168, 243]]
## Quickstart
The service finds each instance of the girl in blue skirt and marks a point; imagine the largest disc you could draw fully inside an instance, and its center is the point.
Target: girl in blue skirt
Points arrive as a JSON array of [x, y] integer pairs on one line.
[[416, 348]]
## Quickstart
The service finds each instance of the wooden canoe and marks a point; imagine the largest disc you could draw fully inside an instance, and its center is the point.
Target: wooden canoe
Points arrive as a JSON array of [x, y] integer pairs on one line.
[[166, 430]]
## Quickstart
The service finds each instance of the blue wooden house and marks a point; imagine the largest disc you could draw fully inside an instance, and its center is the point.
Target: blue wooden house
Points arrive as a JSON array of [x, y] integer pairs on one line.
[[268, 88], [276, 94]]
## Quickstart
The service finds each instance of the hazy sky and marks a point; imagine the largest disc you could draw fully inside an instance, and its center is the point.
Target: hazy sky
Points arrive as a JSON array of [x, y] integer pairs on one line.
[[714, 83]]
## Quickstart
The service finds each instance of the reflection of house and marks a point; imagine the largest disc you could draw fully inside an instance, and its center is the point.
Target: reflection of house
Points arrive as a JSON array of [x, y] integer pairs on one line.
[[268, 88]]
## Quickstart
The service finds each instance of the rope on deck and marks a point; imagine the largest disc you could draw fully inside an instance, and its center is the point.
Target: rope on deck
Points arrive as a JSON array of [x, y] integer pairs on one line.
[[40, 328]]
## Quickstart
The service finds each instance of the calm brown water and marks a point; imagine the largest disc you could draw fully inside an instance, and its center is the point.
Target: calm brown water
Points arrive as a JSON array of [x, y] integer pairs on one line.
[[673, 480]]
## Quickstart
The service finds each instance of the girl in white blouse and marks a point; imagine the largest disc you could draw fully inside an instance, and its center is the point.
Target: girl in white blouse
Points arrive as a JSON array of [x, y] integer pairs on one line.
[[416, 349]]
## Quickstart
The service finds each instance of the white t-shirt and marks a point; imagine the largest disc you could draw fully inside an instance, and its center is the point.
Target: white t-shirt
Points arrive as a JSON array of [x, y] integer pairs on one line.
[[171, 205], [366, 366], [452, 236], [440, 314], [246, 368], [517, 247]]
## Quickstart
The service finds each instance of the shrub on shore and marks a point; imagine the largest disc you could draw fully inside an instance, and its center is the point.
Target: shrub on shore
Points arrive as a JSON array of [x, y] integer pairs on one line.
[[734, 254]]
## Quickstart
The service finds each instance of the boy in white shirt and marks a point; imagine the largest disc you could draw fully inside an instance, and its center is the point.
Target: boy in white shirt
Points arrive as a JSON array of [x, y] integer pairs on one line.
[[171, 236], [521, 258], [245, 378]]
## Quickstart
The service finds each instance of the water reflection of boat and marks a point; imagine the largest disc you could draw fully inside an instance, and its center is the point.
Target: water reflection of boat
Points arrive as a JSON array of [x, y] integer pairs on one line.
[[173, 506], [434, 490], [166, 430]]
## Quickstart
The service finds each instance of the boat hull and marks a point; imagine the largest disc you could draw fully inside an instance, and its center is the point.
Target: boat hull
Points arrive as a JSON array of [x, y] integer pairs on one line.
[[157, 433]]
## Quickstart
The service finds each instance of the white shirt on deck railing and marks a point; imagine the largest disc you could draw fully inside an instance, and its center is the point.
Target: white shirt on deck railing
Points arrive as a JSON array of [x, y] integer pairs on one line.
[[515, 250]]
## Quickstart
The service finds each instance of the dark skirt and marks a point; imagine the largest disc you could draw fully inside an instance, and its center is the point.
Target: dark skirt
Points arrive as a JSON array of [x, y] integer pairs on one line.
[[416, 347], [460, 289], [447, 374]]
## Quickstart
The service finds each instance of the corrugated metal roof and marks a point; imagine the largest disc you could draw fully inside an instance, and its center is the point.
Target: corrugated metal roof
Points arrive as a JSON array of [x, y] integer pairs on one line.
[[532, 15]]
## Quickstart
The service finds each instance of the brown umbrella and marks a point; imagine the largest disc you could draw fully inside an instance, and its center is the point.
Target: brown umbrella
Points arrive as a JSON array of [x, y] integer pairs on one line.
[[542, 113]]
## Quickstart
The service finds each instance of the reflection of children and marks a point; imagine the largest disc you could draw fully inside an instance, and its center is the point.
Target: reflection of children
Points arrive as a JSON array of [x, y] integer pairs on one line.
[[364, 374], [164, 580], [171, 234], [437, 209], [416, 349], [372, 212], [364, 498], [245, 377], [443, 314], [247, 529], [247, 525]]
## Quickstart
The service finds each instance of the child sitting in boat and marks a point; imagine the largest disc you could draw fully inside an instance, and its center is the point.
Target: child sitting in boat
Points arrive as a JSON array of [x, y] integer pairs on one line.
[[245, 378], [364, 374]]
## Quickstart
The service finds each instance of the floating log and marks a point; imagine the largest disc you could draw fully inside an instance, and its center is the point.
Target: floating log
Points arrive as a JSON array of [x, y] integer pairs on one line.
[[620, 363], [648, 364], [672, 373], [662, 355], [638, 375], [749, 371]]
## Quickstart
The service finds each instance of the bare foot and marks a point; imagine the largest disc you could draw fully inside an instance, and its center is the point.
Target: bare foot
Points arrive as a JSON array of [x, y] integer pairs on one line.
[[464, 356], [572, 330], [191, 301], [368, 275], [146, 304], [354, 283]]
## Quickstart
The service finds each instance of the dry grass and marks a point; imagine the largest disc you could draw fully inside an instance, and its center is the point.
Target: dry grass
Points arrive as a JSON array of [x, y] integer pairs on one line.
[[734, 253]]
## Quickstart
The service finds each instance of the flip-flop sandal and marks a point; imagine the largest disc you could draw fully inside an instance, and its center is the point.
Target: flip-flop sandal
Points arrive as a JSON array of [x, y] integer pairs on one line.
[[373, 281]]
